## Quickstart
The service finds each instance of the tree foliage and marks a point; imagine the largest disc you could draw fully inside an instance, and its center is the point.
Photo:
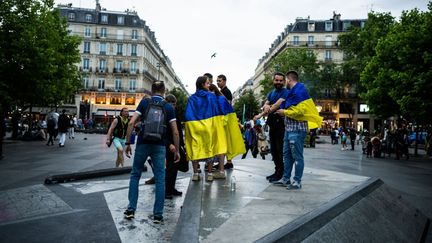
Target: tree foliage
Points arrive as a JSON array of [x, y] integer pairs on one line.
[[401, 71], [181, 101], [38, 56], [301, 60], [249, 102]]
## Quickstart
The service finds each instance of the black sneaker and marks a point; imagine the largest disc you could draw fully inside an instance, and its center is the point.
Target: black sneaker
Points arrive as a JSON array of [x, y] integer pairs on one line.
[[275, 178], [129, 214], [158, 220], [270, 176], [150, 181], [177, 193], [228, 166]]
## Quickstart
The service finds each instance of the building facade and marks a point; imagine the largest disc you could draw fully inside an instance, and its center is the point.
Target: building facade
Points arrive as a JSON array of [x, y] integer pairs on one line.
[[321, 37], [120, 58]]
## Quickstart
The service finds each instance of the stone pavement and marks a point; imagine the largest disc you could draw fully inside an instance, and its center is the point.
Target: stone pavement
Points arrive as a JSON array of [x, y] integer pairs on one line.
[[91, 210]]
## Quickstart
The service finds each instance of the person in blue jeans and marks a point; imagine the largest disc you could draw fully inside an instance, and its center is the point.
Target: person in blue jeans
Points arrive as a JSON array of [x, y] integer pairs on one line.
[[300, 116], [155, 149]]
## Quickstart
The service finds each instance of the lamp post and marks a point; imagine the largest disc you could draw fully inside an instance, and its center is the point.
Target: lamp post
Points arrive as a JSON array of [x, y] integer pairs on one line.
[[158, 65]]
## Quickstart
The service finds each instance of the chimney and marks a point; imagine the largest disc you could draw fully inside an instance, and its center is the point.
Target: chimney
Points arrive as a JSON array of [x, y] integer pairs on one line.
[[98, 6]]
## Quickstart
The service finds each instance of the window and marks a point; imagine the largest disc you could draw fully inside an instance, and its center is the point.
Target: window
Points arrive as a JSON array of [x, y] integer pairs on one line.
[[86, 82], [86, 64], [296, 40], [132, 85], [346, 25], [102, 48], [130, 100], [102, 65], [119, 65], [100, 99], [103, 32], [328, 55], [86, 47], [311, 26], [363, 108], [133, 66], [134, 34], [120, 34], [328, 26], [328, 40], [104, 18], [133, 49], [119, 49], [88, 18], [101, 84], [120, 19], [310, 40], [71, 16], [115, 100], [118, 84], [87, 32]]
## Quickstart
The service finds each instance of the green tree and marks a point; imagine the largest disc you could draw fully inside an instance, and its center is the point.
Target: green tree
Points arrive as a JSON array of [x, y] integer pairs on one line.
[[38, 55], [302, 60], [182, 99], [359, 46], [400, 73], [250, 103]]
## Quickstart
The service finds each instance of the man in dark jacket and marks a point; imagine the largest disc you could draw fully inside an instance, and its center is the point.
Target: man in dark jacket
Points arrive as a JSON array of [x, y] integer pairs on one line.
[[63, 125]]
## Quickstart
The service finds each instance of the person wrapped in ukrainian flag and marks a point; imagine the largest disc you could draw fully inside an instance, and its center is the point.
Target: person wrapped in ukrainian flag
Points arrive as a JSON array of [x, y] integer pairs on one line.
[[300, 115], [205, 128]]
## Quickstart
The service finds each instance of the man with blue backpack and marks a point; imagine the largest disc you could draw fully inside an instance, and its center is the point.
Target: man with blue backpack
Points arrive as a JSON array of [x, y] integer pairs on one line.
[[155, 115]]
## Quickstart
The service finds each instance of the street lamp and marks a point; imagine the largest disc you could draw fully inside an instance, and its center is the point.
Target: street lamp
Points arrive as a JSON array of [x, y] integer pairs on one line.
[[158, 65]]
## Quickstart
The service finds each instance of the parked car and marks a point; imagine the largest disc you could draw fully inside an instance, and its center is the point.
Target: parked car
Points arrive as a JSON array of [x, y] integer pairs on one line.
[[421, 139]]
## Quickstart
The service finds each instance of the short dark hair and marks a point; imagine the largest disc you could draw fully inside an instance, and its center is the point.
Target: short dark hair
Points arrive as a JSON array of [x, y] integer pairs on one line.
[[124, 108], [208, 75], [222, 77], [278, 74], [293, 75], [170, 98], [214, 88], [158, 87], [201, 80]]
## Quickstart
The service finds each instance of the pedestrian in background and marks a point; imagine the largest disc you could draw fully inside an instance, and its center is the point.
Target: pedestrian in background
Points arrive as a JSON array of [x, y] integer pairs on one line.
[[63, 126], [117, 135]]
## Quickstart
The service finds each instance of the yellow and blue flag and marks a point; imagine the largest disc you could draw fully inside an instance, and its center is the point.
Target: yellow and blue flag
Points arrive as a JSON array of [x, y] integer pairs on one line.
[[205, 134], [300, 106], [235, 143]]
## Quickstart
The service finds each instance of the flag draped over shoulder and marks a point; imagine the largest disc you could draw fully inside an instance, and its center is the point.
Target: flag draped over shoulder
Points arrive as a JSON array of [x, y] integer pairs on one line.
[[235, 143], [300, 106], [205, 134]]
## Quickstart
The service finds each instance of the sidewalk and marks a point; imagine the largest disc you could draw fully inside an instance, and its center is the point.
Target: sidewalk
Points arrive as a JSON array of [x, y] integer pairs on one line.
[[91, 210]]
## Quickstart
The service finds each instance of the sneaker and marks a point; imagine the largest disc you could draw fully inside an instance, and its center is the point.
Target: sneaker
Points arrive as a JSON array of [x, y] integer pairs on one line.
[[275, 178], [195, 177], [150, 181], [294, 186], [177, 193], [209, 177], [129, 214], [169, 196], [158, 220], [228, 166], [281, 182], [219, 175], [270, 176]]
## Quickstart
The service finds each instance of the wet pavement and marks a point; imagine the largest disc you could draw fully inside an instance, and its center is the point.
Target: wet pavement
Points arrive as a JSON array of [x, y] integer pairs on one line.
[[91, 210]]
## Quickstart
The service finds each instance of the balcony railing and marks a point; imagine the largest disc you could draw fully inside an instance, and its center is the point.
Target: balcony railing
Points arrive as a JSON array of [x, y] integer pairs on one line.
[[314, 44]]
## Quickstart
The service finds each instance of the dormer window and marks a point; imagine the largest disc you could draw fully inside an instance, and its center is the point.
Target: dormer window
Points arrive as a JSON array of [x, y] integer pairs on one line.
[[328, 26], [311, 26], [120, 19], [88, 18], [71, 16], [104, 18]]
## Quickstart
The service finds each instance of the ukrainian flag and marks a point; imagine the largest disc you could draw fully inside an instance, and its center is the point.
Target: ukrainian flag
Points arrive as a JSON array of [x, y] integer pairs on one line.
[[205, 134], [235, 143], [300, 106]]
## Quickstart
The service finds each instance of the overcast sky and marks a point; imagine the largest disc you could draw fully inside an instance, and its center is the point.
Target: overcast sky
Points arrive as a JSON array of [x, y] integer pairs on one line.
[[239, 31]]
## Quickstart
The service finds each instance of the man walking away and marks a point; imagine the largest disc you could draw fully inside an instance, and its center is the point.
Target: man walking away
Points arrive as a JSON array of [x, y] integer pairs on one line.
[[156, 115], [117, 135], [63, 125]]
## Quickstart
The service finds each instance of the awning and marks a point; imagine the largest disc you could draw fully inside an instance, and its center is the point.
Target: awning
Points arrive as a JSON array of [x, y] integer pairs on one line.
[[111, 112]]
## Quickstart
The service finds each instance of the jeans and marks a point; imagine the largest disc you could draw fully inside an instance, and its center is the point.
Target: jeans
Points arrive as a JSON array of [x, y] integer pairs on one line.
[[157, 155], [293, 153]]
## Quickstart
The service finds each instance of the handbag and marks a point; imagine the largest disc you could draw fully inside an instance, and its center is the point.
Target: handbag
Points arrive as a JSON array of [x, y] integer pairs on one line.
[[183, 164]]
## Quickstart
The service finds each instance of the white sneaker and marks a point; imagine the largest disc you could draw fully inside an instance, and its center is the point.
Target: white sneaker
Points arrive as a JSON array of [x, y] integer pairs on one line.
[[294, 186]]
